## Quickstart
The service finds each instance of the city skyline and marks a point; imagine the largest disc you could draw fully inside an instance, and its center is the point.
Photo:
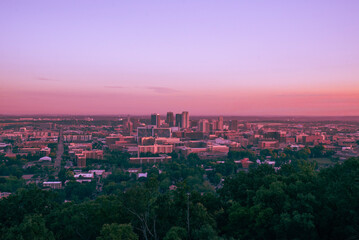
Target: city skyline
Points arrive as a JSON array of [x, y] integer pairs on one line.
[[206, 119], [234, 58]]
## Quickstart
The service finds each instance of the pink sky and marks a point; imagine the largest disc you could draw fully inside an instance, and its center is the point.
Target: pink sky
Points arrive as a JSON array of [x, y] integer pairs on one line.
[[207, 57]]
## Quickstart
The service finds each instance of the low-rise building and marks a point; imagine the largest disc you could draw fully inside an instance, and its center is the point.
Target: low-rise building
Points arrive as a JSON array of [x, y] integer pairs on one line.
[[53, 185], [155, 148], [142, 160], [4, 194]]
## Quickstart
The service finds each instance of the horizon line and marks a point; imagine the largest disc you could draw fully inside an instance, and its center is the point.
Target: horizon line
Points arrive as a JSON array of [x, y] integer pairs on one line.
[[194, 115]]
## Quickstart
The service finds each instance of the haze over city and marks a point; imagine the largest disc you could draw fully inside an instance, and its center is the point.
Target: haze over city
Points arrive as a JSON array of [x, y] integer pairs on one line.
[[207, 57]]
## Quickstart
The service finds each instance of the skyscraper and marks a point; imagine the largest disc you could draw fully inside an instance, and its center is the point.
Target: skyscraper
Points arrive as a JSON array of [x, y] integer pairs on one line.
[[128, 125], [213, 126], [185, 120], [220, 123], [179, 120], [170, 119], [204, 126], [155, 119], [234, 125]]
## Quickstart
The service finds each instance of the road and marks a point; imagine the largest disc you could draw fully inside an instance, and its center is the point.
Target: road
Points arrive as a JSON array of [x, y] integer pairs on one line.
[[60, 151]]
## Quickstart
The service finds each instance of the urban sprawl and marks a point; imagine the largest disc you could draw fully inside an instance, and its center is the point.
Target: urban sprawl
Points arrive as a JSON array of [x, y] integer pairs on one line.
[[53, 151]]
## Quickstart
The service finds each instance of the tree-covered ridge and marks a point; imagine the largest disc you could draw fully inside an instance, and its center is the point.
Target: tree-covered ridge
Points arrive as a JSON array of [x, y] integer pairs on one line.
[[296, 202]]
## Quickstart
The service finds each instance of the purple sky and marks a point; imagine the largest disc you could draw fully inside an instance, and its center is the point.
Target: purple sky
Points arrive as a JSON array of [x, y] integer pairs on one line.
[[207, 57]]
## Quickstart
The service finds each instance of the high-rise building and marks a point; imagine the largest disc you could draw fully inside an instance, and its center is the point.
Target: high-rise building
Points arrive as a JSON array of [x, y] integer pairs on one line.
[[220, 123], [234, 125], [179, 120], [128, 125], [213, 126], [155, 119], [185, 120], [204, 125], [170, 120]]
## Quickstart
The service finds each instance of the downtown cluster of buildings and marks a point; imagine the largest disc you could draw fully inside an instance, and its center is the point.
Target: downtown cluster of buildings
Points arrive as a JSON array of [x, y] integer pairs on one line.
[[153, 139]]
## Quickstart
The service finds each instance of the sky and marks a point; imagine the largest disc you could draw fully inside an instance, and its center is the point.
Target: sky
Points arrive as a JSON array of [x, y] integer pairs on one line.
[[207, 57]]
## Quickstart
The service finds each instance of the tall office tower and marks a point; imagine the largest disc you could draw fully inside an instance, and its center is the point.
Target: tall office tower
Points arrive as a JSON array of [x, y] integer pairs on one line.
[[155, 119], [128, 126], [185, 120], [179, 120], [220, 123], [170, 119], [234, 125], [203, 125], [213, 126]]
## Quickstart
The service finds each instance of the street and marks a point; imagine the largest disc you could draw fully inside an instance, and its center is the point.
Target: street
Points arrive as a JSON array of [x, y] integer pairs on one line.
[[60, 151]]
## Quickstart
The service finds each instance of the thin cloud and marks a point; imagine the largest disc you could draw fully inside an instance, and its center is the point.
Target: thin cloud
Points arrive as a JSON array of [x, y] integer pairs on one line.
[[303, 95], [114, 87], [162, 89], [47, 79]]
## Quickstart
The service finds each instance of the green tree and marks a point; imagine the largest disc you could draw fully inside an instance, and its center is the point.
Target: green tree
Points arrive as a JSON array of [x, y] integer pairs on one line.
[[303, 153], [32, 228], [11, 184], [16, 207], [121, 159], [317, 151], [193, 159], [176, 233], [116, 231], [79, 191], [140, 202], [236, 155]]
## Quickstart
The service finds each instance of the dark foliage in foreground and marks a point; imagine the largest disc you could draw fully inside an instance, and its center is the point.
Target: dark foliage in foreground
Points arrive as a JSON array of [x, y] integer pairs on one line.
[[296, 202]]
